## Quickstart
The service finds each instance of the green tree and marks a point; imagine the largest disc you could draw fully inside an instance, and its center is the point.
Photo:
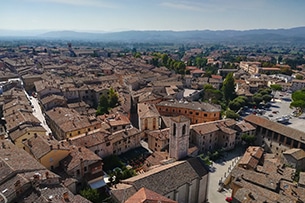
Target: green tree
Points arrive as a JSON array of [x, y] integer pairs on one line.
[[164, 59], [299, 77], [200, 62], [248, 139], [232, 114], [91, 194], [211, 94], [298, 104], [276, 87], [113, 98], [228, 87], [298, 95], [103, 105], [265, 91], [267, 98], [257, 98], [237, 103]]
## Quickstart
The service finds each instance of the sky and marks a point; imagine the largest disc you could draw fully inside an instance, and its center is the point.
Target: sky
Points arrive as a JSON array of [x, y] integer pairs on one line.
[[119, 15]]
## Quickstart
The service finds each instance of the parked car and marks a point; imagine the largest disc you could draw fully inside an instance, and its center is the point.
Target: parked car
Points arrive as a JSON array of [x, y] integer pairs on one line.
[[229, 199]]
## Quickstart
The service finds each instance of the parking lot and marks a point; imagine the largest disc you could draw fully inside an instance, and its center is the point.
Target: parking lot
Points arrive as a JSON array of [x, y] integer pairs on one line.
[[279, 107]]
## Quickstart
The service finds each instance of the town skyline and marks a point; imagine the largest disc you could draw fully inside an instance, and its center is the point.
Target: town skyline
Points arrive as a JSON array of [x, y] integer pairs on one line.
[[99, 15]]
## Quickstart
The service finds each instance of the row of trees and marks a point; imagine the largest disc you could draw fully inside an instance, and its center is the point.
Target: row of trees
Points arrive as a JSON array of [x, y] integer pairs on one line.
[[164, 60]]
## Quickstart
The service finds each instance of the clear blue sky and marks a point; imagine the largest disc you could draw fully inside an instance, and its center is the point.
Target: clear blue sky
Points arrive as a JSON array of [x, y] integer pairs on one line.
[[115, 15]]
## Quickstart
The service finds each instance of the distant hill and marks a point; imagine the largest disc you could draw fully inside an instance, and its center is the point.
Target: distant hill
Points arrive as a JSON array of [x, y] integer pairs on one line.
[[294, 35]]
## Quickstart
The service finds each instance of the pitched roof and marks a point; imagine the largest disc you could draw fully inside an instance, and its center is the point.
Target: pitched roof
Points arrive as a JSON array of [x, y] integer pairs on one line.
[[167, 178], [276, 127], [244, 126], [19, 132], [298, 154], [78, 155], [160, 134], [145, 195], [14, 159], [40, 146], [209, 127], [68, 119], [146, 110], [251, 157]]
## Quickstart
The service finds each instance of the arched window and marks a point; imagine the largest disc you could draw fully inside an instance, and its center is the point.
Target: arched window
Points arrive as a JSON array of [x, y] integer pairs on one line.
[[183, 129], [174, 130], [154, 123], [146, 124]]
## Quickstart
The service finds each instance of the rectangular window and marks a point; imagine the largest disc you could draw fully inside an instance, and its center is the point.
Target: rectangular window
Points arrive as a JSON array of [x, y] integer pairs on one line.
[[107, 144], [205, 115], [197, 113]]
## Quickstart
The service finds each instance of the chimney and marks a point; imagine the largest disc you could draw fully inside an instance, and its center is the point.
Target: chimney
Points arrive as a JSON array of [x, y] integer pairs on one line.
[[66, 196], [51, 147], [58, 146], [30, 143]]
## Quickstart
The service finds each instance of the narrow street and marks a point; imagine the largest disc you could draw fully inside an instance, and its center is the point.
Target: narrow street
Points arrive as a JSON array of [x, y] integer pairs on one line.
[[220, 170], [38, 113]]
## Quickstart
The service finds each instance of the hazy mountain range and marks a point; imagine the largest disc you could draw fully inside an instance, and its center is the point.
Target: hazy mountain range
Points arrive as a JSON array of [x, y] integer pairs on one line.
[[293, 35]]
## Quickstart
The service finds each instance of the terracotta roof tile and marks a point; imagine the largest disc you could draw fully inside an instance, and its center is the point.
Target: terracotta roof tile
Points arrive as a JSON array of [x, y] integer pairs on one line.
[[145, 195]]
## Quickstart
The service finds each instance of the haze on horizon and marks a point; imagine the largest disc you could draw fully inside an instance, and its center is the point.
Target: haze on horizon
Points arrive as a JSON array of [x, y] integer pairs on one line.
[[178, 15]]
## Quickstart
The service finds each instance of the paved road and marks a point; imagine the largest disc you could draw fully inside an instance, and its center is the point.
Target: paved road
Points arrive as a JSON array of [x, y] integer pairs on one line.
[[38, 113], [220, 169]]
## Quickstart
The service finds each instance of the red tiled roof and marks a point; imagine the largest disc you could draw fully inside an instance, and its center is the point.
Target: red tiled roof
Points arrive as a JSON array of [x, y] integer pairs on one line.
[[145, 195]]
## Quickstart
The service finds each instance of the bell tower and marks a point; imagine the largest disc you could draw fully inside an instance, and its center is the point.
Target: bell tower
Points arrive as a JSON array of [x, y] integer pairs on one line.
[[179, 137]]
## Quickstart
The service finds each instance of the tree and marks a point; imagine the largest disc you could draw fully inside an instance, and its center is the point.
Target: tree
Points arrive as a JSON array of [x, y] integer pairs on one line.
[[91, 194], [211, 94], [298, 104], [103, 105], [276, 87], [237, 103], [232, 114], [298, 95], [299, 77], [228, 87], [248, 139], [298, 99], [265, 91], [267, 98], [164, 58], [257, 98], [107, 102], [113, 98]]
